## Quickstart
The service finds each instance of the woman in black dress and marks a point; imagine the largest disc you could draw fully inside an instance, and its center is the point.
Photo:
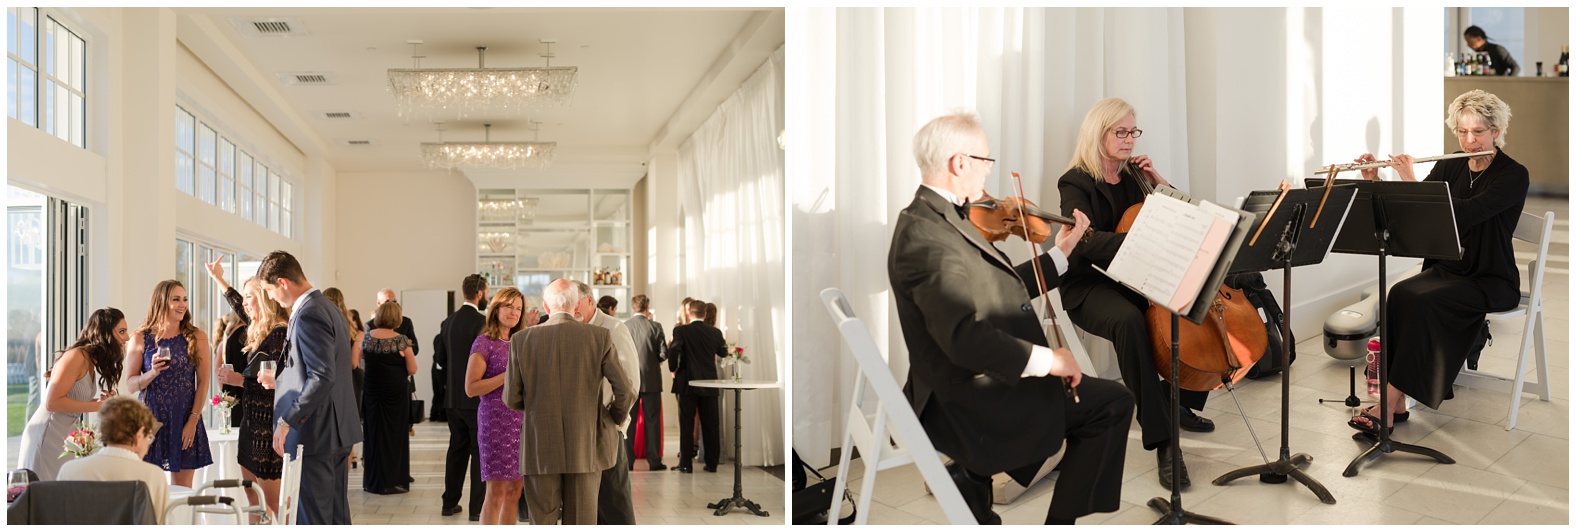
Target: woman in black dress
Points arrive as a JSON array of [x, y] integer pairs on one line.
[[265, 325], [389, 362], [1436, 315], [356, 374], [1102, 181]]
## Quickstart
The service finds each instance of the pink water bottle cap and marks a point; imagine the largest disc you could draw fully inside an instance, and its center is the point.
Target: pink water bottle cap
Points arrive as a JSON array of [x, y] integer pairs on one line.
[[1373, 344]]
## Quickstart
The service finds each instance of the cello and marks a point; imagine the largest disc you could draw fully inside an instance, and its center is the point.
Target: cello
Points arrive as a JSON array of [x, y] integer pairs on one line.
[[1219, 351]]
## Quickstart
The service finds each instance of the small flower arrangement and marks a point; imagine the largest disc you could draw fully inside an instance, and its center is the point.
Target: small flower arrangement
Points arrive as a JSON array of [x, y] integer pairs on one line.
[[734, 358], [80, 442], [223, 402]]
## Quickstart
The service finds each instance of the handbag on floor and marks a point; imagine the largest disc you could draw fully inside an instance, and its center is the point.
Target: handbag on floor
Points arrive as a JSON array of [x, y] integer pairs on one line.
[[812, 502]]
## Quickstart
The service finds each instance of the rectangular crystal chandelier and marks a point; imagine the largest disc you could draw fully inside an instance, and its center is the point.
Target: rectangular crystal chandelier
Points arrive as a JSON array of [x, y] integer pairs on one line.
[[467, 90], [500, 155]]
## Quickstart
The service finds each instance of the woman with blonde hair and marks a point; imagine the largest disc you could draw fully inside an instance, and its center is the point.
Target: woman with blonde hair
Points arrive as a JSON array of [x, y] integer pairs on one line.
[[499, 427], [263, 339], [1102, 181], [1437, 314], [356, 333], [167, 362]]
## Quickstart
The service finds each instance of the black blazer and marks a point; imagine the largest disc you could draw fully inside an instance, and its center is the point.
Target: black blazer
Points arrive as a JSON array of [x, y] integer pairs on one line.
[[1081, 191], [969, 328], [693, 357], [406, 329], [459, 333]]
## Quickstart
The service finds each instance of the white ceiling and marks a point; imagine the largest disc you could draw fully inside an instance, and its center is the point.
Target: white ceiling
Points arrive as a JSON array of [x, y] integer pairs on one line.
[[647, 77]]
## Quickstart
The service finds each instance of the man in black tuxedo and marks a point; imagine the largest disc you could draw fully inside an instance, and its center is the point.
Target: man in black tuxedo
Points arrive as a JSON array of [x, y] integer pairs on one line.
[[693, 357], [459, 332], [652, 349], [988, 390]]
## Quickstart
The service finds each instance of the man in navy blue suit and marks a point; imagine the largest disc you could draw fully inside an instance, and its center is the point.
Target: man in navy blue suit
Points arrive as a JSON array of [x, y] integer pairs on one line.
[[314, 402]]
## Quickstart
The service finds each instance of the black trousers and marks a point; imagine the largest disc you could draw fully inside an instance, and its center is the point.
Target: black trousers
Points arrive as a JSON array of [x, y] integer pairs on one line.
[[463, 447], [1114, 313], [325, 488], [650, 407], [689, 406], [1091, 466], [615, 503], [440, 386]]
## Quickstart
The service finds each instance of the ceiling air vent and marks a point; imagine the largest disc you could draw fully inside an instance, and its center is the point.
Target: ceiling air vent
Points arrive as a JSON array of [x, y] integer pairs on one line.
[[356, 143], [269, 27], [339, 115], [307, 78]]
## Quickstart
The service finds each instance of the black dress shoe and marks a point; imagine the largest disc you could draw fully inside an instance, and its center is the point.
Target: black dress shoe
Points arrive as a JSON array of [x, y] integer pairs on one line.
[[1192, 422], [451, 510], [976, 493], [710, 469], [1163, 455], [659, 467], [476, 517], [684, 469]]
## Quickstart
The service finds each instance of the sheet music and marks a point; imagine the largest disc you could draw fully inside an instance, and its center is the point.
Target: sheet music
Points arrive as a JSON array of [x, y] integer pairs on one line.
[[1169, 250]]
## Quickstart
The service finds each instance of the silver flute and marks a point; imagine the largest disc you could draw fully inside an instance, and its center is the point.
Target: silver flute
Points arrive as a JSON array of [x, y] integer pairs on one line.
[[1383, 164]]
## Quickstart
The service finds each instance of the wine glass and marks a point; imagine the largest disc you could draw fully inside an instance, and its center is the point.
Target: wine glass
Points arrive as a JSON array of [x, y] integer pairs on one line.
[[17, 483], [265, 371], [163, 354]]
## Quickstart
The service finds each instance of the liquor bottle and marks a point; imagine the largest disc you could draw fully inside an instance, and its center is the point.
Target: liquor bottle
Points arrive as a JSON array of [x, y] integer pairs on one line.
[[1564, 67], [1450, 64]]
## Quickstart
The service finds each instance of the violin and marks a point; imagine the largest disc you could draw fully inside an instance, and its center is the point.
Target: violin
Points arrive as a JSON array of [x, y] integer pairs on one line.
[[997, 219], [1217, 352]]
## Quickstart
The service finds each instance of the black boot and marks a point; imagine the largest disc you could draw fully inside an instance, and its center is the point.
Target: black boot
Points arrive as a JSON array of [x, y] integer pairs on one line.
[[976, 493]]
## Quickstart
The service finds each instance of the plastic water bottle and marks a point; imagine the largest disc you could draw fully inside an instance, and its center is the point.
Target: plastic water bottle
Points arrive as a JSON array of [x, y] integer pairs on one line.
[[1373, 366]]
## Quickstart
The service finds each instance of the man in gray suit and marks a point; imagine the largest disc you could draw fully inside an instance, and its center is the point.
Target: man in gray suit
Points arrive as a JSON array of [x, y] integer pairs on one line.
[[652, 348], [615, 503], [314, 402], [554, 376]]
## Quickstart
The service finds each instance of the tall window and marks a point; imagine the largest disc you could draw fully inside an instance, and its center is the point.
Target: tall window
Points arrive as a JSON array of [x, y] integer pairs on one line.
[[22, 64], [55, 99], [1506, 27], [213, 167], [46, 287]]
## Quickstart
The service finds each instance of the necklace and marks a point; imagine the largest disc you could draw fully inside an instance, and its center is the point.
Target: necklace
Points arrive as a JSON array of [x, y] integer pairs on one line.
[[1471, 179]]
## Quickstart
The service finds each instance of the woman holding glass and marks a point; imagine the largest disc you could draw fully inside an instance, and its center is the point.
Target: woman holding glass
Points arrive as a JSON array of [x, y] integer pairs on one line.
[[167, 363], [499, 427], [1436, 315], [82, 379], [263, 341]]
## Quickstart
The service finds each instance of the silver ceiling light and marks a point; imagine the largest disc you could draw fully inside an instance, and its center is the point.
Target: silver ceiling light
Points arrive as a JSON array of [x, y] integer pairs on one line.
[[488, 154], [464, 90]]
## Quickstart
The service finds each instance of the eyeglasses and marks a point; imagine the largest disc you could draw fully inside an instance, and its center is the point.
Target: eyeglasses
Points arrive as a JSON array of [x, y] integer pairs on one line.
[[1474, 132], [986, 159], [1124, 133]]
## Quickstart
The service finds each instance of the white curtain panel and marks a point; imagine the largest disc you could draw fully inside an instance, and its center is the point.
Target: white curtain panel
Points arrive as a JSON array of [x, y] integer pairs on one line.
[[731, 188], [874, 76]]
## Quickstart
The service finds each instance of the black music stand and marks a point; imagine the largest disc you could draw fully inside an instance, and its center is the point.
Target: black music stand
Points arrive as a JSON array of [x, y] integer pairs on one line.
[[1408, 221], [1298, 230], [1171, 510]]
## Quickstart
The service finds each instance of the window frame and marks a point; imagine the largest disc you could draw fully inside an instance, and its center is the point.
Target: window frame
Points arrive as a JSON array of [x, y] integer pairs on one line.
[[57, 64]]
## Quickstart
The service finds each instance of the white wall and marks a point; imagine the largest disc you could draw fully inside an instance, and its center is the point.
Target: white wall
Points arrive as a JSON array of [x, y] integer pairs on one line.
[[1547, 29], [405, 231]]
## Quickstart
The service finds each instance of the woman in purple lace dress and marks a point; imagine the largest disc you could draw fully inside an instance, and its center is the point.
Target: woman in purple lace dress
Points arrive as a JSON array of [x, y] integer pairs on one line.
[[174, 388], [498, 426]]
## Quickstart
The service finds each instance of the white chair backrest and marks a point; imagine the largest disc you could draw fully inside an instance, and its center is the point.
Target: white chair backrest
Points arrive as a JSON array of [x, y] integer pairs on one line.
[[874, 442], [1537, 230], [290, 488]]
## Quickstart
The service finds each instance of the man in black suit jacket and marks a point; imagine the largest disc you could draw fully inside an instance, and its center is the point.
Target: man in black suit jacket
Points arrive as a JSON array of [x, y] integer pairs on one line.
[[693, 357], [981, 377], [459, 332], [652, 349]]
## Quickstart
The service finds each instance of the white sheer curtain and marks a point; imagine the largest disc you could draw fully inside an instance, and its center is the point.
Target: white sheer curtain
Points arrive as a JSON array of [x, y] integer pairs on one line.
[[731, 188], [872, 77]]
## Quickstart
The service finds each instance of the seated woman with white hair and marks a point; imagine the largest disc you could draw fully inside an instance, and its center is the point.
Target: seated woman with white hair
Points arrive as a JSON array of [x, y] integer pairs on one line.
[[1436, 315], [127, 428]]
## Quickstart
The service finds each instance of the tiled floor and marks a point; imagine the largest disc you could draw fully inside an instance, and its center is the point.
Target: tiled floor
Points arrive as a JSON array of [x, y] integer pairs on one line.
[[1520, 476], [661, 497]]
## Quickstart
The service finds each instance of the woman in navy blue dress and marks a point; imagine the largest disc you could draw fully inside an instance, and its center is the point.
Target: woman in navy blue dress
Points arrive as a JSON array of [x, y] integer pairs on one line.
[[174, 387]]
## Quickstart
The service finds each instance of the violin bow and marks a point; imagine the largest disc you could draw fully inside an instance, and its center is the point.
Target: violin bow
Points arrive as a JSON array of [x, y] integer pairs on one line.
[[1039, 280]]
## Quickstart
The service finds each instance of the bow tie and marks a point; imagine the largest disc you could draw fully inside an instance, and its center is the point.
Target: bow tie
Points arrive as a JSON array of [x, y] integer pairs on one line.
[[963, 210]]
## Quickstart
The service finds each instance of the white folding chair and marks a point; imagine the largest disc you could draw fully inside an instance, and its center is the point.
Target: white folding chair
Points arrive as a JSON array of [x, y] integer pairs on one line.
[[290, 488], [875, 444], [1536, 230]]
